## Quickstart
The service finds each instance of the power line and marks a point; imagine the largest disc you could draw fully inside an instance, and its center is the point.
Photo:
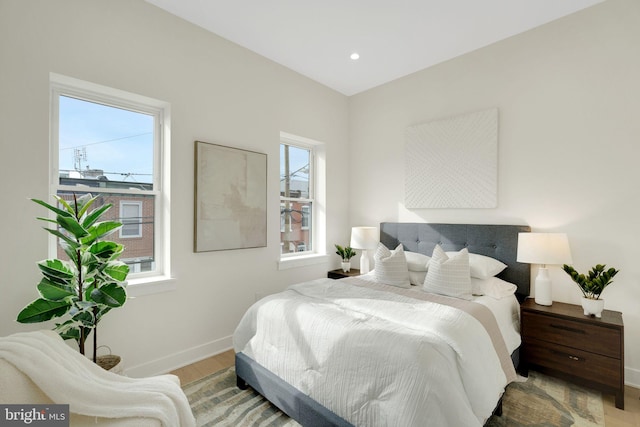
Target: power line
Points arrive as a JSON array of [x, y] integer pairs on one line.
[[108, 140], [301, 169]]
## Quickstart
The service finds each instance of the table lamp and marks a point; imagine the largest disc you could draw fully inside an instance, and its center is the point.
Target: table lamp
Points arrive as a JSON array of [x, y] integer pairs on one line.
[[364, 238], [544, 249]]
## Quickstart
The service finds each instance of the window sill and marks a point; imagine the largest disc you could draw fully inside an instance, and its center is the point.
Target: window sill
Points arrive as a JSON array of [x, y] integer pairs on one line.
[[302, 261], [150, 285]]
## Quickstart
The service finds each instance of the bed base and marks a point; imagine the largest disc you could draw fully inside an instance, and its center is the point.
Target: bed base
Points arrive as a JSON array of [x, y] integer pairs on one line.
[[292, 401], [287, 398]]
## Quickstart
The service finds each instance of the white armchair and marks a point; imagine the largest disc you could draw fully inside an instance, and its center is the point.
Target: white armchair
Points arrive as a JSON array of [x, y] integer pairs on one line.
[[39, 368]]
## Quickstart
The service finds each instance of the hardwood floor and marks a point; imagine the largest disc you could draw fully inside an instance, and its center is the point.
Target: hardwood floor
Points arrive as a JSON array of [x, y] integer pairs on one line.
[[614, 417], [630, 417], [205, 367]]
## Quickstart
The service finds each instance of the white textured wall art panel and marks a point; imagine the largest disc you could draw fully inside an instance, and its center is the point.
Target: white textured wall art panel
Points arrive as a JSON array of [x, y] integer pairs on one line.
[[453, 163]]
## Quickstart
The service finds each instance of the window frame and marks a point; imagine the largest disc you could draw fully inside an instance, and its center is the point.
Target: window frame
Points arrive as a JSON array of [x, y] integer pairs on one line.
[[317, 190], [302, 200], [70, 87]]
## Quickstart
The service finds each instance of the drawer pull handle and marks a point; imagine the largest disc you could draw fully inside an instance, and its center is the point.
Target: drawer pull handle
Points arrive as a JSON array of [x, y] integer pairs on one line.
[[566, 328], [563, 354]]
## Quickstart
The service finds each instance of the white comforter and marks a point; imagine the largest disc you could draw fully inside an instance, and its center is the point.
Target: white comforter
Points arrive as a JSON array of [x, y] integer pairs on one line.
[[377, 358]]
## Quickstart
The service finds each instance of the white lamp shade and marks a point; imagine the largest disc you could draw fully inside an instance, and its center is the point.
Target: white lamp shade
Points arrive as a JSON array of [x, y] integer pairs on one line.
[[543, 248], [364, 237]]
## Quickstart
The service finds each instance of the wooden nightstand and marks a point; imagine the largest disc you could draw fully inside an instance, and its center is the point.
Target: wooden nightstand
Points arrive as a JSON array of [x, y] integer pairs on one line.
[[560, 340], [339, 274]]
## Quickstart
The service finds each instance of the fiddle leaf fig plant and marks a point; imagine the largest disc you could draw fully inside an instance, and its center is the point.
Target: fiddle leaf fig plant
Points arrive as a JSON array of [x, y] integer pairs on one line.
[[88, 284], [346, 253], [594, 282]]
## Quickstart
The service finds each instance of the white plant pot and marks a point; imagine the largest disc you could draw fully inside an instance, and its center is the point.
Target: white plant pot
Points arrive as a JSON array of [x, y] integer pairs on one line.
[[346, 266], [592, 307]]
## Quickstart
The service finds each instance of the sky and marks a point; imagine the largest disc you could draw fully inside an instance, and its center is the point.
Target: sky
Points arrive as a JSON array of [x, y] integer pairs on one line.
[[298, 165], [120, 142]]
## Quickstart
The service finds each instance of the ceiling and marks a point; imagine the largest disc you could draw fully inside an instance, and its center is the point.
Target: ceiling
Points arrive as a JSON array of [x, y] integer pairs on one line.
[[394, 38]]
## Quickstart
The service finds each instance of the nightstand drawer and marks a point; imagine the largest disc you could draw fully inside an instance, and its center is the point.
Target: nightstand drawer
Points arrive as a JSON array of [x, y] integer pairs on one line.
[[592, 338], [589, 366]]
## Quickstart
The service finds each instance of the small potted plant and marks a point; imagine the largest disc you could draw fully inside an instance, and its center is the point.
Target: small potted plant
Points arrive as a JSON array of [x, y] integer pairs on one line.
[[346, 253], [592, 286]]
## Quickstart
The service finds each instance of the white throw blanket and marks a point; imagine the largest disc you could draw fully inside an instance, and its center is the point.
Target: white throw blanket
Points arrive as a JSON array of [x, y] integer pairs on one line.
[[376, 358], [67, 377]]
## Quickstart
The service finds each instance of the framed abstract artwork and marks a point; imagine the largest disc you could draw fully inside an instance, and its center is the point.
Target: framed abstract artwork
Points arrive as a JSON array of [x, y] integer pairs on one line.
[[453, 162], [230, 198]]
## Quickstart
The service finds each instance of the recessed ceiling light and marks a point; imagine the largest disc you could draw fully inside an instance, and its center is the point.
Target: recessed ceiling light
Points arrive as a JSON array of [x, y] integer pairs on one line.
[[355, 56]]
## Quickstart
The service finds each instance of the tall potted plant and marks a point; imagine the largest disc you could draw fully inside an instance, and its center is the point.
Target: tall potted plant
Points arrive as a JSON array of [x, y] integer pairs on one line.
[[87, 285], [592, 284]]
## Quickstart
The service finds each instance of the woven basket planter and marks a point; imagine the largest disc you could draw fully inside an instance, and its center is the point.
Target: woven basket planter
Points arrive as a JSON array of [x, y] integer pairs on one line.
[[110, 362]]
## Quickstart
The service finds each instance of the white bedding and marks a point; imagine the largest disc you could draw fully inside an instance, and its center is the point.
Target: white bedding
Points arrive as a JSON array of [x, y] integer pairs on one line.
[[378, 358], [506, 311], [507, 314]]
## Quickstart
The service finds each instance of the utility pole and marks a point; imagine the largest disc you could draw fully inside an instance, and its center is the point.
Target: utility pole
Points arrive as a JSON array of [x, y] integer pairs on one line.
[[287, 202]]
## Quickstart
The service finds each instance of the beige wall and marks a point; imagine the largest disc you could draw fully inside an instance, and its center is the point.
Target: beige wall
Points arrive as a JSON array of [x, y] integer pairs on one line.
[[568, 95], [219, 93]]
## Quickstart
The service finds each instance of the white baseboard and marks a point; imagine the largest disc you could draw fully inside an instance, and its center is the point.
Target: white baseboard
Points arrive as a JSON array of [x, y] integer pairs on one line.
[[180, 359], [632, 377]]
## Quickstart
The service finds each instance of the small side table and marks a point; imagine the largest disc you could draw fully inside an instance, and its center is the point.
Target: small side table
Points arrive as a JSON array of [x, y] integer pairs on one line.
[[339, 274]]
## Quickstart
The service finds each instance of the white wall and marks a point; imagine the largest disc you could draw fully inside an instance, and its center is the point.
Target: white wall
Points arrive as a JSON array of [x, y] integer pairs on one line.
[[568, 95], [219, 93]]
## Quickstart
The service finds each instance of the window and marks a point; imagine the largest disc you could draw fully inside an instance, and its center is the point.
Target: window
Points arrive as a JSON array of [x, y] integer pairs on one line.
[[131, 218], [301, 199], [296, 196], [306, 217], [302, 202], [110, 143]]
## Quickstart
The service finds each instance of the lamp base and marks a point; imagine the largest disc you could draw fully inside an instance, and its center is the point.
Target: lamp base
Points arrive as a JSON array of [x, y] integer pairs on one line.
[[364, 262], [543, 288]]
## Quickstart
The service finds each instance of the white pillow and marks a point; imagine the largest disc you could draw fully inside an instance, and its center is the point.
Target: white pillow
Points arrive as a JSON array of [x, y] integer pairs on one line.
[[417, 262], [483, 267], [417, 277], [476, 286], [493, 287], [391, 266], [449, 275]]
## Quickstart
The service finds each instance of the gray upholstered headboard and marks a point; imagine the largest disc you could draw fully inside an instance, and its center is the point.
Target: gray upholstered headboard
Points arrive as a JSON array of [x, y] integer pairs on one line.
[[496, 241]]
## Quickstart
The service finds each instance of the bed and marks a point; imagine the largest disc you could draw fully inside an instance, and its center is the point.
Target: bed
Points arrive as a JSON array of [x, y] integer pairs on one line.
[[326, 352]]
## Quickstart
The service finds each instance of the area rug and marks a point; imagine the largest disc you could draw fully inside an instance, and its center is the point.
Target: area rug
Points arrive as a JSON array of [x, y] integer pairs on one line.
[[547, 401], [540, 401], [217, 401]]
